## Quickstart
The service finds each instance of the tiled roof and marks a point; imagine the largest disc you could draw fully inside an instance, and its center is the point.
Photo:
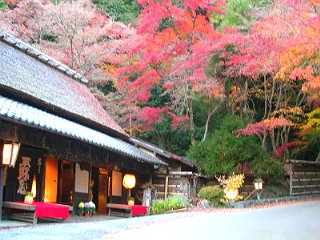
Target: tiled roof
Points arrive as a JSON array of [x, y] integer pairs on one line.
[[182, 160], [161, 152], [16, 111], [59, 88], [150, 147]]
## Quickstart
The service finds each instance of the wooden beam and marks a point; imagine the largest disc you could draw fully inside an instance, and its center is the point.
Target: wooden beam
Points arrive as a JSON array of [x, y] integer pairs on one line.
[[169, 185]]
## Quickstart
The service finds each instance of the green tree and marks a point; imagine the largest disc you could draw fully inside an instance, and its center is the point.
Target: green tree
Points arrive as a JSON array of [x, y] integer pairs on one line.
[[173, 140], [238, 14], [120, 10], [3, 6], [162, 134], [224, 150]]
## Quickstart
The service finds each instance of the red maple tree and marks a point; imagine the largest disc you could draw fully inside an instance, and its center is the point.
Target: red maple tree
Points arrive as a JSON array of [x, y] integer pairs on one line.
[[73, 32], [174, 44], [279, 50]]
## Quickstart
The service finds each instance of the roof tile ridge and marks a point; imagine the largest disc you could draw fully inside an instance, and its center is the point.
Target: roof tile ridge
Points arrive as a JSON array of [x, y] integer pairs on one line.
[[30, 50]]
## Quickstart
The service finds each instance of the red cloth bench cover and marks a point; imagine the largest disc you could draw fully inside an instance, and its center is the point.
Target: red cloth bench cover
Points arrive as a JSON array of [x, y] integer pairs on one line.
[[139, 210], [50, 210]]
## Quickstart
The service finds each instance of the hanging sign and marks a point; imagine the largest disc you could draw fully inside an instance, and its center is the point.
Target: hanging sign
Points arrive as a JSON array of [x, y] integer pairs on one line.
[[23, 176]]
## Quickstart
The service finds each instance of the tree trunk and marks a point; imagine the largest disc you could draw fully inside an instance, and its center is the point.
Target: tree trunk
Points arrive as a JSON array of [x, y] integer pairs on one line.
[[130, 122], [210, 114], [318, 158], [191, 121], [264, 140], [72, 55], [206, 128], [286, 140], [273, 143], [265, 97]]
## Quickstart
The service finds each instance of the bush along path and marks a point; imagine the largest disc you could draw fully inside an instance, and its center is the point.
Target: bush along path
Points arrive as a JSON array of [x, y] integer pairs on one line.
[[171, 204]]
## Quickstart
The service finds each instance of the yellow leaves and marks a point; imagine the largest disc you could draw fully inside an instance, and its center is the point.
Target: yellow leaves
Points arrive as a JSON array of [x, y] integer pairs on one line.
[[312, 126], [236, 92], [303, 51], [272, 123], [313, 119], [289, 61], [231, 186], [289, 111], [234, 181]]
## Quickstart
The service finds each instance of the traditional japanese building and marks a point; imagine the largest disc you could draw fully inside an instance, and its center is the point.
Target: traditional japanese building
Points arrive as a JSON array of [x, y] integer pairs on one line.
[[71, 150], [180, 177]]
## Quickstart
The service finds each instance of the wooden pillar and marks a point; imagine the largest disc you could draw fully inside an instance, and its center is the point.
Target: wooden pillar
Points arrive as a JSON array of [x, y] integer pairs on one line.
[[42, 178], [1, 189], [90, 195], [166, 187]]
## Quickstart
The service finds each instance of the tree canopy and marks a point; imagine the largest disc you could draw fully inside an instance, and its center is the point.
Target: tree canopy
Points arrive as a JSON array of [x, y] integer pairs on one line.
[[177, 73]]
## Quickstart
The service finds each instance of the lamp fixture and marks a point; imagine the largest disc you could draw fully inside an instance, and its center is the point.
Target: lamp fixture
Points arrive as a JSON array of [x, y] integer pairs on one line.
[[10, 153], [129, 182], [258, 185]]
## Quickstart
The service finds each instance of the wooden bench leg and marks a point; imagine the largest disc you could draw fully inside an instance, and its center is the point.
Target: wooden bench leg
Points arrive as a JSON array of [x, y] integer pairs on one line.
[[116, 212], [35, 219]]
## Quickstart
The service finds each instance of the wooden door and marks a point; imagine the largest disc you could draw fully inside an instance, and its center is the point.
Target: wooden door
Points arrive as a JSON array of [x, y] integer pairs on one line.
[[102, 192]]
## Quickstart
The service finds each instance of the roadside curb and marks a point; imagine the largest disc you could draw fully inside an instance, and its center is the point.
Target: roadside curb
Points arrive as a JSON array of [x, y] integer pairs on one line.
[[273, 201]]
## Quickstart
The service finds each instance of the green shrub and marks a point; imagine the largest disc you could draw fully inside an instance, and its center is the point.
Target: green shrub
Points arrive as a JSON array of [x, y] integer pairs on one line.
[[172, 203], [268, 167], [224, 150], [157, 207], [213, 194], [176, 202]]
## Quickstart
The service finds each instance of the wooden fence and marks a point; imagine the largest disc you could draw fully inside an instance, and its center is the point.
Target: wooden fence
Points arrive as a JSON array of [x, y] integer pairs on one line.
[[176, 183], [304, 177]]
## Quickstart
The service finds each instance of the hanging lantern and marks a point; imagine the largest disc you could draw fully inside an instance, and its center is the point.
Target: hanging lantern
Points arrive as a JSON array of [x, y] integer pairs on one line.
[[10, 154], [129, 181]]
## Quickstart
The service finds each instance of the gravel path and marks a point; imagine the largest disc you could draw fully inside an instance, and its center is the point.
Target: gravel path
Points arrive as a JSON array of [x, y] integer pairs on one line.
[[287, 221]]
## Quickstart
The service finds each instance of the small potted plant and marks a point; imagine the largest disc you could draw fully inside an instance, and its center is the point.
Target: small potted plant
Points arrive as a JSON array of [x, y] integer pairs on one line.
[[28, 197], [89, 209], [92, 208], [81, 208]]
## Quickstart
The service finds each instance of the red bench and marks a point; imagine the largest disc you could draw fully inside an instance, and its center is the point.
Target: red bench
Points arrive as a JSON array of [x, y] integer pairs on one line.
[[32, 212], [124, 210]]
